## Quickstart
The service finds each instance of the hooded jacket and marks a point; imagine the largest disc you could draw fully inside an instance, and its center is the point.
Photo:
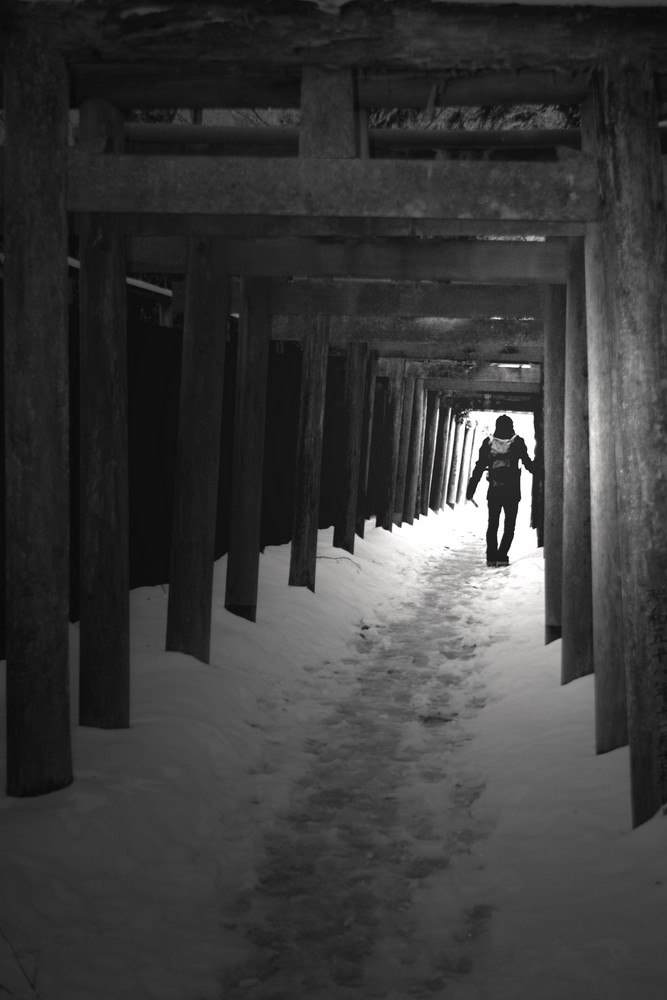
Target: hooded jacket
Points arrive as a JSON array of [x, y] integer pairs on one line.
[[499, 457]]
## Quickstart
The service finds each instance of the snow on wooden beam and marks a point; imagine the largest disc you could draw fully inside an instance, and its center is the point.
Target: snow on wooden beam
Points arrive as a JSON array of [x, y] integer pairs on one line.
[[342, 187]]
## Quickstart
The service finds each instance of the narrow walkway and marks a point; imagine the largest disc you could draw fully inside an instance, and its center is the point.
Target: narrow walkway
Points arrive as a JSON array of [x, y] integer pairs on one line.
[[356, 896]]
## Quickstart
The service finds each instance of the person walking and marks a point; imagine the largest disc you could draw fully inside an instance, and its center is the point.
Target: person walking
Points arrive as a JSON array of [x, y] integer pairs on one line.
[[499, 456]]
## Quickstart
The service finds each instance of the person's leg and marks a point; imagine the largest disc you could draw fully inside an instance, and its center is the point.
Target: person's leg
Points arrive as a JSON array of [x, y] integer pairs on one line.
[[511, 508], [495, 507]]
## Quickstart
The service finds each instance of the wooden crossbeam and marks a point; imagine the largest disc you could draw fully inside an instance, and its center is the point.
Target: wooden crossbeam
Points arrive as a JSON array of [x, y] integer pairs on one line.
[[478, 261], [399, 35], [352, 188], [487, 387], [516, 378]]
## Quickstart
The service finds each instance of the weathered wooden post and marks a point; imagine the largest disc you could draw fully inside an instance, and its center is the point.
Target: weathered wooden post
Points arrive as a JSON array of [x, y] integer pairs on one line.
[[198, 449], [404, 447], [430, 433], [248, 452], [611, 708], [635, 248], [449, 456], [353, 402], [440, 460], [303, 555], [104, 553], [466, 452], [555, 303], [392, 436], [412, 474], [455, 467], [36, 101], [366, 437], [577, 595]]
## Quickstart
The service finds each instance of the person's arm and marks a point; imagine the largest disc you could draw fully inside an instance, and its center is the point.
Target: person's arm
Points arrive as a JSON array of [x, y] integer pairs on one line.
[[524, 456], [477, 472]]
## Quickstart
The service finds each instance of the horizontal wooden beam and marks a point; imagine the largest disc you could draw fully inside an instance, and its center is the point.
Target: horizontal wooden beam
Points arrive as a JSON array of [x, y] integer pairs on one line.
[[146, 85], [405, 298], [483, 387], [400, 35], [352, 188], [478, 261], [475, 350], [455, 333], [515, 378]]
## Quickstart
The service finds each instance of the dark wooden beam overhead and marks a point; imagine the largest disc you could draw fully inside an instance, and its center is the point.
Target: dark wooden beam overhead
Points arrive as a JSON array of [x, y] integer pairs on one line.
[[476, 261], [405, 298], [426, 36], [345, 187], [518, 378]]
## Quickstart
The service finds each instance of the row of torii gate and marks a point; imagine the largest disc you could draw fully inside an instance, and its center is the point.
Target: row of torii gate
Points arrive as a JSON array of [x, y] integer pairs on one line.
[[386, 251]]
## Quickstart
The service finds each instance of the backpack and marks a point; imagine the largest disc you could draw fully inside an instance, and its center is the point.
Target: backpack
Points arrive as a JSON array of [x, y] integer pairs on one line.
[[501, 468]]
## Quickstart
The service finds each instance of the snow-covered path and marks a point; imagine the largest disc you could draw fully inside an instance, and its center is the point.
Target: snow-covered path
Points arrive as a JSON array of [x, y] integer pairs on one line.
[[379, 818]]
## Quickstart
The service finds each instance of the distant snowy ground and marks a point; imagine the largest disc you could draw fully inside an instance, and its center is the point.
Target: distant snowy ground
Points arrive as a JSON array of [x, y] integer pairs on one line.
[[113, 888]]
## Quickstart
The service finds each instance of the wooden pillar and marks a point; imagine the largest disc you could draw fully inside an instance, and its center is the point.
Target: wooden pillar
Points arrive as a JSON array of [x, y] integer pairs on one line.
[[404, 447], [412, 474], [392, 437], [366, 438], [440, 458], [248, 453], [353, 402], [430, 432], [611, 707], [36, 390], [466, 452], [198, 449], [420, 459], [577, 594], [449, 456], [455, 468], [334, 134], [635, 247], [537, 488], [555, 302], [305, 520], [104, 559]]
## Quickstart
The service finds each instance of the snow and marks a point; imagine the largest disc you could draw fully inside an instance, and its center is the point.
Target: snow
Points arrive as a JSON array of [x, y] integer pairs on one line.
[[389, 763]]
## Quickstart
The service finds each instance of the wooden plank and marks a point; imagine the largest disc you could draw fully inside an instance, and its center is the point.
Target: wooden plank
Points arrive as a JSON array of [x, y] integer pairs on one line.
[[404, 448], [336, 187], [476, 261], [466, 453], [36, 360], [635, 243], [366, 437], [405, 299], [554, 429], [434, 36], [104, 552], [440, 461], [303, 553], [248, 451], [353, 402], [457, 388], [146, 85], [198, 452], [455, 467], [577, 596], [460, 334], [511, 377], [414, 452]]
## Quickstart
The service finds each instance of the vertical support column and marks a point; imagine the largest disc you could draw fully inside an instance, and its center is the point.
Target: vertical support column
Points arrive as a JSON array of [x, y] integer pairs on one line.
[[439, 463], [422, 441], [36, 389], [353, 401], [430, 432], [392, 437], [366, 438], [555, 304], [104, 563], [198, 449], [455, 467], [466, 452], [635, 246], [611, 706], [412, 473], [334, 133], [303, 555], [537, 489], [577, 595], [404, 448], [449, 456], [252, 368]]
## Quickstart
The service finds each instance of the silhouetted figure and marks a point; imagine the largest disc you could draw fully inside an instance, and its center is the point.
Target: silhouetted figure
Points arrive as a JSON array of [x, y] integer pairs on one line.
[[499, 456]]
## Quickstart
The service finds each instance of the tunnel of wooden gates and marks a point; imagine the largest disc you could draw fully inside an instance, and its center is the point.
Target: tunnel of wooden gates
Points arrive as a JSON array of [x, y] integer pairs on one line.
[[289, 324]]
